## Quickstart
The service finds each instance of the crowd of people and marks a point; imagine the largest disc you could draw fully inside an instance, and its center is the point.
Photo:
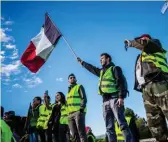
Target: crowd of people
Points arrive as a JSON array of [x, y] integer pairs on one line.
[[64, 120]]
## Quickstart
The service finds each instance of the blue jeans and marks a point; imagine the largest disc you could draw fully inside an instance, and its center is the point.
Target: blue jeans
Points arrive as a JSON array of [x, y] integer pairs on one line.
[[112, 111]]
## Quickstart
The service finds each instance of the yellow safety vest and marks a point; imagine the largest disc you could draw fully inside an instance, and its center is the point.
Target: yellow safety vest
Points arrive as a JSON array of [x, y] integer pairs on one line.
[[91, 137], [6, 133], [44, 116], [64, 115], [158, 59], [119, 134], [74, 99], [107, 82]]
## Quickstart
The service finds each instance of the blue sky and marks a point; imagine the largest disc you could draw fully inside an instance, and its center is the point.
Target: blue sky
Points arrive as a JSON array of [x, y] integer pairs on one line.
[[91, 29]]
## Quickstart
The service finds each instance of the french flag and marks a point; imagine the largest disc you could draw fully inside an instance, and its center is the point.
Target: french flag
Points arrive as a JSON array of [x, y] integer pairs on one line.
[[41, 46]]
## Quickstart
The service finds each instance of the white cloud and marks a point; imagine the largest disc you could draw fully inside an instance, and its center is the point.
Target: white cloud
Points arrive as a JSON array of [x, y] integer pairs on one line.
[[4, 37], [9, 91], [34, 81], [10, 46], [8, 22], [7, 29], [12, 68], [16, 79], [15, 54], [2, 52], [59, 79], [25, 91], [17, 85], [2, 19], [6, 80], [2, 57]]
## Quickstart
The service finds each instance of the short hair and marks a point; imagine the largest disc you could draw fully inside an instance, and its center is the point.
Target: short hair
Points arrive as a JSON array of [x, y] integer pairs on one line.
[[2, 111], [71, 75], [107, 56], [39, 99]]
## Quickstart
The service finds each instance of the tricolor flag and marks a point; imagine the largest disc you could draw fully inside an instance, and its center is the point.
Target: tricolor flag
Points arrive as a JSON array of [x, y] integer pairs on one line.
[[41, 46]]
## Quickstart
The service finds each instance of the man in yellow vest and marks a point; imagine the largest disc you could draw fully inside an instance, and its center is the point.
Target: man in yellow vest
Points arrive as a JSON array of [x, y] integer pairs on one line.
[[120, 137], [111, 88], [76, 103], [90, 135], [32, 117], [44, 129], [130, 122], [151, 78]]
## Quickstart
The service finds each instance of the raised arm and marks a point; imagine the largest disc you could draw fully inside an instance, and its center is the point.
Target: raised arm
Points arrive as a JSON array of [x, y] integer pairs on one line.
[[89, 67]]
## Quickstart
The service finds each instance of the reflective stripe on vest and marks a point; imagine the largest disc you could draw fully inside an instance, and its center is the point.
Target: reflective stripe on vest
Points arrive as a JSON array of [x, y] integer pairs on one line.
[[6, 133], [90, 136], [118, 131], [44, 116], [107, 82], [74, 100], [158, 59], [64, 115]]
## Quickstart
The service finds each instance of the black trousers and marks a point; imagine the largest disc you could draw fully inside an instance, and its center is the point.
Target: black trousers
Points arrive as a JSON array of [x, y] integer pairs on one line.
[[64, 133], [45, 135]]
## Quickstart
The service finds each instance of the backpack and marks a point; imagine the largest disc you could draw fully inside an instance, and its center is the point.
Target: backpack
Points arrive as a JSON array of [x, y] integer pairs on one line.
[[125, 84]]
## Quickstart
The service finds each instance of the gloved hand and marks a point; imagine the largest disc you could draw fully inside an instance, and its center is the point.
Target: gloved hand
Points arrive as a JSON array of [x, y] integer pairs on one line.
[[79, 60]]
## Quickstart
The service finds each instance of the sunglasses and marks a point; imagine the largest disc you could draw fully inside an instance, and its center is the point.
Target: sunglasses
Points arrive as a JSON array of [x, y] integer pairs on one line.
[[72, 77]]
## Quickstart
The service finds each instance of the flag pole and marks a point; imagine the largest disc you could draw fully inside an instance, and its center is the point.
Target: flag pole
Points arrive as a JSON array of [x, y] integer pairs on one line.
[[69, 46], [63, 37]]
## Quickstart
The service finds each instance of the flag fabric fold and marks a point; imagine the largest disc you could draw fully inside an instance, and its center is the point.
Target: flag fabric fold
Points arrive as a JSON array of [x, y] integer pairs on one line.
[[41, 46]]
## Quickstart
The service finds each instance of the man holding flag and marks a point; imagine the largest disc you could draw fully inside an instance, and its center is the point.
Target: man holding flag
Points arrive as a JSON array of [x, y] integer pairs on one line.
[[113, 90]]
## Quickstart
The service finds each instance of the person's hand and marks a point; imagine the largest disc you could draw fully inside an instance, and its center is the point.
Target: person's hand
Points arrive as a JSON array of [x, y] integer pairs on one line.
[[81, 110], [127, 43], [79, 60], [120, 102], [59, 103]]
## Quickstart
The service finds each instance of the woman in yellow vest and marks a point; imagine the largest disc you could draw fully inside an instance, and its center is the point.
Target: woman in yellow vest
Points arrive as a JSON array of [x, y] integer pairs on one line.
[[60, 119]]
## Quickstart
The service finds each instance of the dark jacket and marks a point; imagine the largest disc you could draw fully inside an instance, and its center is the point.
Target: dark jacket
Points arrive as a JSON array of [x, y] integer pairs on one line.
[[118, 76], [33, 114], [55, 117], [82, 95], [155, 74]]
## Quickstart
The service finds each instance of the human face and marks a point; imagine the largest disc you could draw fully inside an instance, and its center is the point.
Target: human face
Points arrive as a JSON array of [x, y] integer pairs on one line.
[[36, 102], [104, 61], [72, 80], [58, 97]]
